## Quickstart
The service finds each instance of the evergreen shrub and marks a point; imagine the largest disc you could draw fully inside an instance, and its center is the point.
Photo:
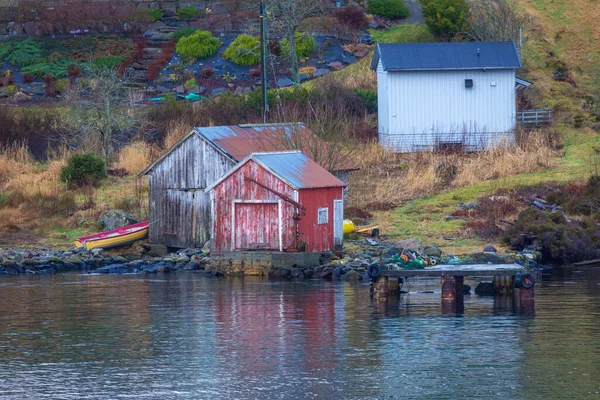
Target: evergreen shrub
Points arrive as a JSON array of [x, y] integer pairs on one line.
[[83, 169], [244, 50]]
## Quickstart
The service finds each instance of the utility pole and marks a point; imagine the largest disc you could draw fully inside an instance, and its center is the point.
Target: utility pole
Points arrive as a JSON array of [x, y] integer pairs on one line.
[[263, 62]]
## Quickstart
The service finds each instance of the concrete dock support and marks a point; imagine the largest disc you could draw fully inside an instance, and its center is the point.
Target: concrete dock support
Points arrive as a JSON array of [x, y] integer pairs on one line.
[[380, 288]]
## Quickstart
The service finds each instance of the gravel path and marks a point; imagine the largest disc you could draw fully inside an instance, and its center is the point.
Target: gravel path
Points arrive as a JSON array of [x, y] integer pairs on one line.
[[416, 13]]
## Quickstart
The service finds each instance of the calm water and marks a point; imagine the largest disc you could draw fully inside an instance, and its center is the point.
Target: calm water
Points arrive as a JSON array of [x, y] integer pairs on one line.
[[185, 336]]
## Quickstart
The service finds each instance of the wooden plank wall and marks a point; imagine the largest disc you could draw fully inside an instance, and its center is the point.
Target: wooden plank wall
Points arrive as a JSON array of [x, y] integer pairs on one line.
[[191, 167]]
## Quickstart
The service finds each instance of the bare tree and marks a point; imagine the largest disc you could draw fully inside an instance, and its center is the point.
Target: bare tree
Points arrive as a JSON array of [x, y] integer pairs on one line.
[[97, 109], [285, 16], [496, 20]]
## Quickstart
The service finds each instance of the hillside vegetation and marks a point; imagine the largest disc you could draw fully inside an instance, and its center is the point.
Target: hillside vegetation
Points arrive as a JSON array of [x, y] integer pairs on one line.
[[413, 195]]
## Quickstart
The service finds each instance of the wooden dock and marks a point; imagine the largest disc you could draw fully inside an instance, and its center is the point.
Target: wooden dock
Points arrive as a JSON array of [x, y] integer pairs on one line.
[[509, 280]]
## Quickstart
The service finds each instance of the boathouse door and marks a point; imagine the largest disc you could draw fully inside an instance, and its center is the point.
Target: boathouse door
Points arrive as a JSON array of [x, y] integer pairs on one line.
[[256, 225]]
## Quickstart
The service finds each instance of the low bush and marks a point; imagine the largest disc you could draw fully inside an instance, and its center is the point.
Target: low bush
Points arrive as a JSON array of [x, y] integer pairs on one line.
[[184, 32], [155, 14], [190, 83], [244, 50], [369, 97], [207, 72], [109, 62], [305, 44], [352, 17], [188, 12], [392, 9], [446, 18], [83, 169], [198, 45], [28, 78]]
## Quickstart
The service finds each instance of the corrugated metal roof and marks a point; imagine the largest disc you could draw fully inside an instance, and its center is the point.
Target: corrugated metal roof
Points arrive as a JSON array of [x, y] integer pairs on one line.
[[240, 140], [446, 56], [293, 167], [297, 169]]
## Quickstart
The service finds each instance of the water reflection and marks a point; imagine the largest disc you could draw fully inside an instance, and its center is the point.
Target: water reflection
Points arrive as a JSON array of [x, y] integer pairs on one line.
[[187, 336]]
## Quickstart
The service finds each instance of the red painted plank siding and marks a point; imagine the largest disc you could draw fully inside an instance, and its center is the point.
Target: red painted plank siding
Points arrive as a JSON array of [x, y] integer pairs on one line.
[[264, 215], [236, 188], [258, 223], [318, 237]]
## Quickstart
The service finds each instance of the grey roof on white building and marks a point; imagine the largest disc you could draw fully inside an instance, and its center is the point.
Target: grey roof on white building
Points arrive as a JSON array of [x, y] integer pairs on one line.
[[447, 56]]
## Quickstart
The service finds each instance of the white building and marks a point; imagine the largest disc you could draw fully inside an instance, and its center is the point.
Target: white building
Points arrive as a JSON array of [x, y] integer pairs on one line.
[[433, 95]]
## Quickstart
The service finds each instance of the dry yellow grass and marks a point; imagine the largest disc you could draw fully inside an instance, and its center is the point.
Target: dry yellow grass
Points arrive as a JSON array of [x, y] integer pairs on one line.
[[387, 178], [135, 157], [175, 132]]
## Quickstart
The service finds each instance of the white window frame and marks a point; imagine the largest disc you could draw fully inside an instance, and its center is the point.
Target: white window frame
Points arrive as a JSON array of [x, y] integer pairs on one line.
[[319, 220]]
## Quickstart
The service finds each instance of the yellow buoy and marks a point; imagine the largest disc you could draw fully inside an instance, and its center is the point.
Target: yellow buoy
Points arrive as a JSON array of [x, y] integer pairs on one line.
[[348, 226]]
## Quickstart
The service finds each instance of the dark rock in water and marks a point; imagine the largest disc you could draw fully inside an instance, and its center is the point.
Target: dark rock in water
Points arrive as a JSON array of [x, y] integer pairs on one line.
[[466, 289], [489, 248], [192, 266], [295, 272], [485, 289], [113, 219], [433, 251], [352, 276], [117, 269], [326, 274], [308, 272], [279, 273]]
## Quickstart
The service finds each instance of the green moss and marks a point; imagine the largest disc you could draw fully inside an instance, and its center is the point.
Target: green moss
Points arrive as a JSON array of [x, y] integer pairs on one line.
[[244, 50]]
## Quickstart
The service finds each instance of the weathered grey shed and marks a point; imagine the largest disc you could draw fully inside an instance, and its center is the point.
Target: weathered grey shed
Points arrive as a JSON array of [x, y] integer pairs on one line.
[[178, 206]]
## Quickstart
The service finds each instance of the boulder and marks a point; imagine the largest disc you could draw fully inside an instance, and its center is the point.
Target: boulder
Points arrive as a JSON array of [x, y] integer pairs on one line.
[[113, 219], [489, 248], [335, 66], [361, 53], [283, 82], [485, 289], [320, 72], [411, 244], [206, 248], [433, 251]]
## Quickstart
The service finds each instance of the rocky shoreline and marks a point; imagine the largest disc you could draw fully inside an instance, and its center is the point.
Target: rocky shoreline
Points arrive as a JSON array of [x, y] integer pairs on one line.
[[349, 265]]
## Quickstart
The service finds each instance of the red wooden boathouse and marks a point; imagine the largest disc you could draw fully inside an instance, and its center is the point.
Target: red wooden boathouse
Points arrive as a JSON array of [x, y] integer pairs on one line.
[[280, 201]]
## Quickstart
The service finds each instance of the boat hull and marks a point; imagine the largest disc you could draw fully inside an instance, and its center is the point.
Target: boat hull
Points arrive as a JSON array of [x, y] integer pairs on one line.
[[115, 238]]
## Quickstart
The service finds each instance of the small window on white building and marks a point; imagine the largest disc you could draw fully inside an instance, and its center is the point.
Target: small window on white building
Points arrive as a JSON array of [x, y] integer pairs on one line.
[[323, 215], [493, 83]]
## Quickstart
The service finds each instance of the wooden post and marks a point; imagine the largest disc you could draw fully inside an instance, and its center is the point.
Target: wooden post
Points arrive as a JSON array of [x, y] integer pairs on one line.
[[393, 286], [452, 294], [527, 298]]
